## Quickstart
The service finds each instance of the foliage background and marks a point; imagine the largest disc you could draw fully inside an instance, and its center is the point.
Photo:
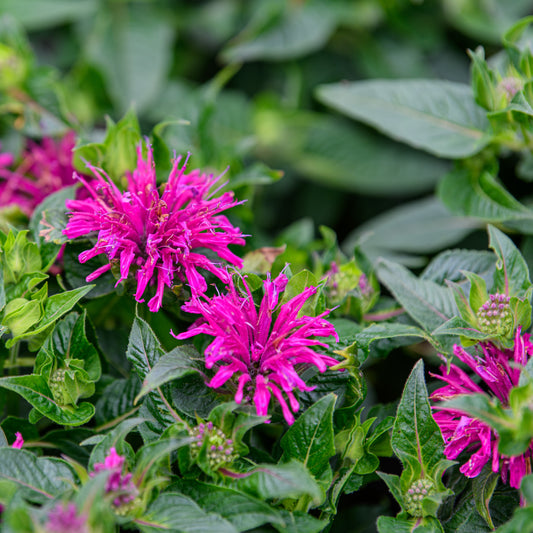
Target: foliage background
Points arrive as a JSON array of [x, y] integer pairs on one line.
[[241, 83]]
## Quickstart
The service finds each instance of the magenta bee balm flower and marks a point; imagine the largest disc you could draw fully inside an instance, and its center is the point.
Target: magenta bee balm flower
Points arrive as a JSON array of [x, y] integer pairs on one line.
[[259, 348], [65, 519], [499, 371], [157, 237], [45, 167]]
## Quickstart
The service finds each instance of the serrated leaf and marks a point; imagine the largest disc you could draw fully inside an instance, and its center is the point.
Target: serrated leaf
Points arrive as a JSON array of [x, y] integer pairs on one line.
[[458, 326], [35, 390], [175, 512], [483, 488], [416, 437], [438, 116], [512, 274], [389, 524], [483, 197], [426, 302], [242, 510], [144, 350], [55, 307], [117, 399], [42, 478], [170, 366], [287, 480], [310, 439]]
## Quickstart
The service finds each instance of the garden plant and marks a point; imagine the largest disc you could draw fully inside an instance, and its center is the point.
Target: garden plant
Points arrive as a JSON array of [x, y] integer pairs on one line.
[[266, 266]]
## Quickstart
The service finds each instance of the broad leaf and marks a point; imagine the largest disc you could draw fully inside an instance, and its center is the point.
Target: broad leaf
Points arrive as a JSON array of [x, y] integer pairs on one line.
[[34, 389], [42, 478], [310, 439], [176, 512], [426, 302], [242, 510], [416, 437], [440, 117]]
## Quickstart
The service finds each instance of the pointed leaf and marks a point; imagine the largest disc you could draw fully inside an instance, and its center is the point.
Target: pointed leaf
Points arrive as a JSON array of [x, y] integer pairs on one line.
[[42, 478], [440, 117], [416, 437], [310, 439], [35, 390]]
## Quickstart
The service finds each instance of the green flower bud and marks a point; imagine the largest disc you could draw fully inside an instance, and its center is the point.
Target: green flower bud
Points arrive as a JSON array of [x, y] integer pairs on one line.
[[415, 494], [20, 315], [495, 316], [219, 449]]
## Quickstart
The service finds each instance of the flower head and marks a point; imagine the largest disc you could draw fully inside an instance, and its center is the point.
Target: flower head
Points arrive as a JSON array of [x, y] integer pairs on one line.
[[45, 168], [260, 347], [65, 519], [158, 236], [19, 441], [118, 484], [499, 371]]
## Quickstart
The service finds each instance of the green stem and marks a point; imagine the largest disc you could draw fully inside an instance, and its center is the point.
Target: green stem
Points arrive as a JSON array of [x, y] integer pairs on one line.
[[13, 355]]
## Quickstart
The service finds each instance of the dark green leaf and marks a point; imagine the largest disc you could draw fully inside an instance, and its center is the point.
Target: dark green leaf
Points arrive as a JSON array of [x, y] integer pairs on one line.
[[440, 117], [242, 510], [426, 302], [303, 29], [416, 437], [170, 366], [310, 439], [288, 480], [35, 390], [42, 478], [483, 488], [176, 512]]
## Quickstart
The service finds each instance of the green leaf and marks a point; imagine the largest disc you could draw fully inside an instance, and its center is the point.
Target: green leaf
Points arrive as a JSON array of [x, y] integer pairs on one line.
[[310, 439], [387, 330], [43, 14], [482, 196], [512, 273], [55, 307], [42, 478], [170, 366], [440, 117], [389, 524], [304, 28], [421, 227], [132, 47], [242, 510], [48, 222], [287, 480], [175, 512], [426, 302], [416, 437], [483, 488], [69, 341], [35, 390], [300, 522], [144, 350], [459, 326], [449, 265], [116, 400], [332, 151]]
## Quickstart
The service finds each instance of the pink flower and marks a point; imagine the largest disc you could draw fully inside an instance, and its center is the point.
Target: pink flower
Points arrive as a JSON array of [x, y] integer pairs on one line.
[[260, 347], [118, 484], [158, 236], [19, 441], [65, 519], [45, 168], [499, 370]]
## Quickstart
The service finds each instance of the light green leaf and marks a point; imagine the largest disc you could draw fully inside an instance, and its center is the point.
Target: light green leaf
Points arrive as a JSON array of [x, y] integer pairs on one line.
[[440, 117]]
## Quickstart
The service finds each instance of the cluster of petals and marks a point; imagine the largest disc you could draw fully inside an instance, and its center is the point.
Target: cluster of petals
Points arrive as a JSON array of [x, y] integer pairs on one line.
[[259, 347], [65, 519], [159, 237], [19, 441], [45, 167], [118, 484], [499, 371]]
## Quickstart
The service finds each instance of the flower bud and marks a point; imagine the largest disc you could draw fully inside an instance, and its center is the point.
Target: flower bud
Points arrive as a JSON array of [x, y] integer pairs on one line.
[[415, 494], [495, 315], [219, 449]]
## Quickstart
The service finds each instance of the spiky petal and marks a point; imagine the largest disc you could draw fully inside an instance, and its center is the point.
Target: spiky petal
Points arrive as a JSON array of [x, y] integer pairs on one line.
[[499, 371], [257, 348], [45, 167], [156, 236]]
